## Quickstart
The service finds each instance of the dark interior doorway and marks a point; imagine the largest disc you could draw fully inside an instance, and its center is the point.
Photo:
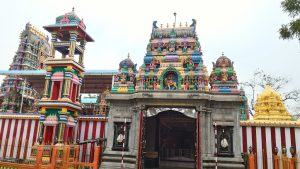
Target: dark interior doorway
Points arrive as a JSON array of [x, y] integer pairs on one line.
[[170, 141]]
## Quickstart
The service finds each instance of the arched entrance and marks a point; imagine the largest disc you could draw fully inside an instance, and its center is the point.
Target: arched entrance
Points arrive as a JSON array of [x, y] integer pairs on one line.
[[170, 139]]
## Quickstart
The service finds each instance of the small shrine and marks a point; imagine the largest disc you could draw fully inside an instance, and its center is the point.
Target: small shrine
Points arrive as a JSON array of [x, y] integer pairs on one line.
[[124, 81], [223, 78], [270, 110]]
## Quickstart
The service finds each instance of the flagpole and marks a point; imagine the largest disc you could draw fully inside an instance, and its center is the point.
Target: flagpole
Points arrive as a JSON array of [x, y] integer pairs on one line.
[[216, 144], [22, 97]]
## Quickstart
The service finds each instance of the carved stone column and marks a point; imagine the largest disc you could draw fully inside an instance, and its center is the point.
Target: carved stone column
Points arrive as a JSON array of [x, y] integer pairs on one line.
[[201, 134], [53, 40]]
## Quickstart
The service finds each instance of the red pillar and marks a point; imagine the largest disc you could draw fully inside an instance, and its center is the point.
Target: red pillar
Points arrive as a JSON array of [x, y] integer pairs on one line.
[[66, 133], [140, 141], [198, 150]]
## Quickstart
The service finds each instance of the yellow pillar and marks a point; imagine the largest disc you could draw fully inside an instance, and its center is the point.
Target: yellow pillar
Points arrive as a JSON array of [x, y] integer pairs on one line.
[[67, 88], [73, 37], [61, 130], [46, 88]]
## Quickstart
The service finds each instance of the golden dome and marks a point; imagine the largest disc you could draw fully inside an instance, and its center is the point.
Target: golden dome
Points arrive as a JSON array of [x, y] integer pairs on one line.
[[270, 111], [269, 106]]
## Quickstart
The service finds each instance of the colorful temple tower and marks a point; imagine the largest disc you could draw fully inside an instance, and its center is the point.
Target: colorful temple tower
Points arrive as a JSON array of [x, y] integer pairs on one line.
[[60, 105], [173, 61], [32, 51]]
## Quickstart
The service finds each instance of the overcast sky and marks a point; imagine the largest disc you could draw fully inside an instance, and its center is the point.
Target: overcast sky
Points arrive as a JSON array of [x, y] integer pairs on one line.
[[246, 30]]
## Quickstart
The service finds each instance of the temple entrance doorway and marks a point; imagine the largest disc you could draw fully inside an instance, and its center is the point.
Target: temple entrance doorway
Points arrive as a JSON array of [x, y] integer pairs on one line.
[[170, 140]]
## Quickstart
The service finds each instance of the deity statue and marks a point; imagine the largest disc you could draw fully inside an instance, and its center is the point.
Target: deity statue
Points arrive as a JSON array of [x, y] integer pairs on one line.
[[123, 79], [224, 75], [154, 85], [224, 143], [186, 84], [169, 82], [195, 84]]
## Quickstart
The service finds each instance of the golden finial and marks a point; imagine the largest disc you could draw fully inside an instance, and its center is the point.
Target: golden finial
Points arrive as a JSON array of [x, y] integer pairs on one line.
[[161, 25], [222, 53], [167, 25], [128, 55]]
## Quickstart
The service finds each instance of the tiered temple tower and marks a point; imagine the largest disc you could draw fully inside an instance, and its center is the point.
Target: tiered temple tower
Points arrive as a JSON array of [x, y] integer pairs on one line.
[[32, 51], [60, 105], [173, 62]]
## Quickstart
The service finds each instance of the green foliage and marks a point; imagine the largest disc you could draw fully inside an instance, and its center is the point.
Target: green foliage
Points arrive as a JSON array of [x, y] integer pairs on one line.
[[292, 29]]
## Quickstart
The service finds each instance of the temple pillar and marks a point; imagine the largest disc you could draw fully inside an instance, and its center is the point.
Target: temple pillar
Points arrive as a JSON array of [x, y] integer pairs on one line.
[[61, 132], [53, 40], [67, 88], [81, 56], [202, 129], [78, 93], [46, 88], [73, 38]]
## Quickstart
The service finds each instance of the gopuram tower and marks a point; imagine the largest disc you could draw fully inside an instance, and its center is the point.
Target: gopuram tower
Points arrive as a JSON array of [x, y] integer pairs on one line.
[[16, 94], [165, 114], [60, 105]]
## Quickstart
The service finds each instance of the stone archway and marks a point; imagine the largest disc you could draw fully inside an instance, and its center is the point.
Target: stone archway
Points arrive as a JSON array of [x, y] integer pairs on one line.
[[170, 137]]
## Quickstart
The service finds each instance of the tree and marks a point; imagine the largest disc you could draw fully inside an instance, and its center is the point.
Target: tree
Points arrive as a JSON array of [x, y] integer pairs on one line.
[[261, 79], [292, 29]]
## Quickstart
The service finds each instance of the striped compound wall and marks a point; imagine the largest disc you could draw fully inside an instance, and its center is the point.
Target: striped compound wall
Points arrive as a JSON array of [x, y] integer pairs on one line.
[[17, 137], [89, 129], [18, 133], [265, 139]]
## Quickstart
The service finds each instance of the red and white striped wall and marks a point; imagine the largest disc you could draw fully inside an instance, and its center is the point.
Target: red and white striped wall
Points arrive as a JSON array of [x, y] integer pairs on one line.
[[264, 139], [89, 128], [17, 135]]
